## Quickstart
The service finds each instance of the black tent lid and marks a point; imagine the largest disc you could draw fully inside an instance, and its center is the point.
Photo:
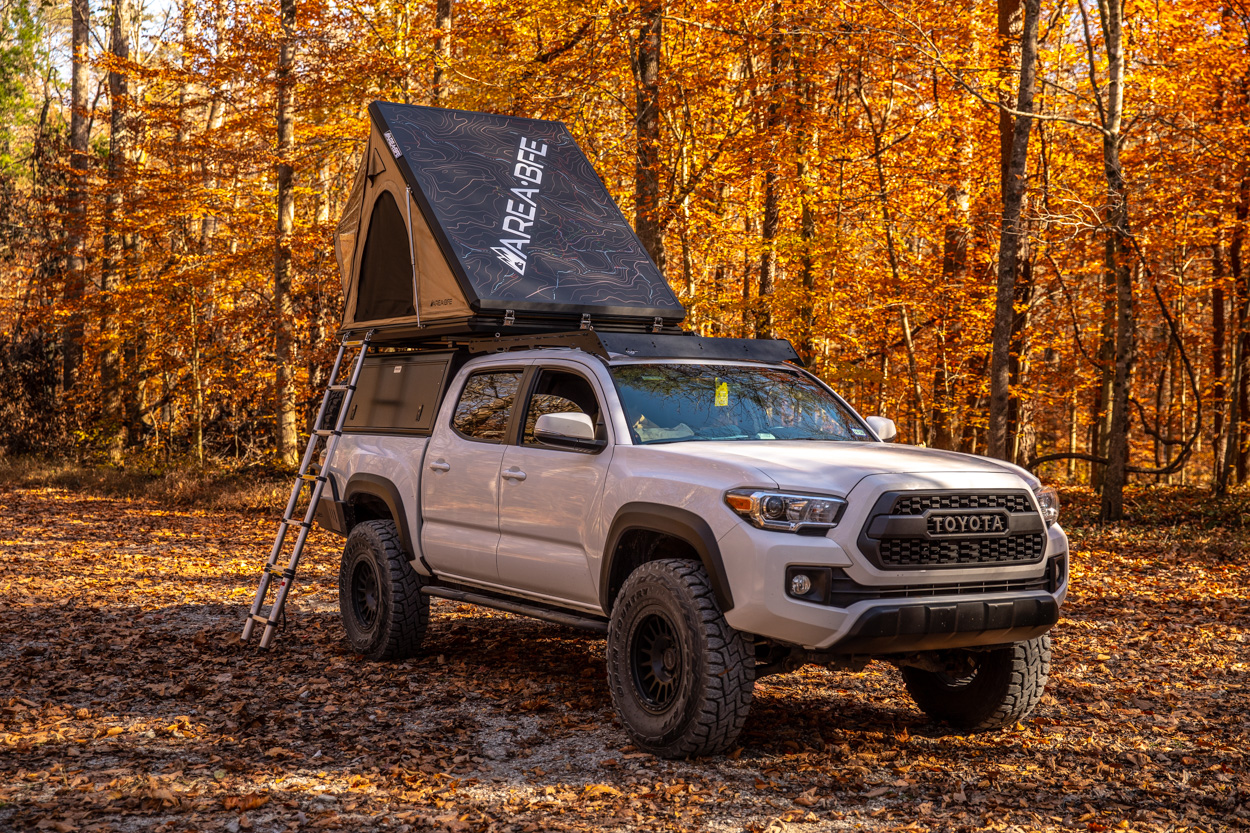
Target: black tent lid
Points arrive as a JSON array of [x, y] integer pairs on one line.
[[523, 219]]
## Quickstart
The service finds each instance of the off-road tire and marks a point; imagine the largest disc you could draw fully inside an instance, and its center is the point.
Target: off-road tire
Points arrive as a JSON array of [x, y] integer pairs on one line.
[[666, 610], [389, 622], [1004, 689]]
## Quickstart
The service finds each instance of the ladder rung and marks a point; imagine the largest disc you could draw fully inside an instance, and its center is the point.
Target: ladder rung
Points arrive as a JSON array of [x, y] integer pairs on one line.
[[285, 573], [313, 478], [293, 522], [327, 432], [340, 387], [256, 617]]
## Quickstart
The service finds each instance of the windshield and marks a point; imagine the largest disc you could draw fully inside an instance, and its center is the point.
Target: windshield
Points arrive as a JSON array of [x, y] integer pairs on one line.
[[667, 403]]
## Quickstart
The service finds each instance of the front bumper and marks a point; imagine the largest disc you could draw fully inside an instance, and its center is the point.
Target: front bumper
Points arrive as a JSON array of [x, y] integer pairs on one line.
[[933, 626], [914, 610]]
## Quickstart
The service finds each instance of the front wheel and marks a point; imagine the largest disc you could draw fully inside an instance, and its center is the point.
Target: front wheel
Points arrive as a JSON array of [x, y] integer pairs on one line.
[[380, 600], [681, 678], [1002, 687]]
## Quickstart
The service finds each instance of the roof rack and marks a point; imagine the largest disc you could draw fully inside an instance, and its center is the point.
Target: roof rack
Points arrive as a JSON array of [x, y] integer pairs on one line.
[[608, 345]]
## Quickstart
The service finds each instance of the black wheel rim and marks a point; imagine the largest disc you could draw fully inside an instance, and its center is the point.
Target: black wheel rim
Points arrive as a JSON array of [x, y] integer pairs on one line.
[[365, 594], [655, 656]]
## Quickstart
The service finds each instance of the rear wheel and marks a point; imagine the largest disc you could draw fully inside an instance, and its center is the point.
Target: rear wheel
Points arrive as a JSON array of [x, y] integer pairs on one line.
[[681, 678], [1000, 688], [380, 601]]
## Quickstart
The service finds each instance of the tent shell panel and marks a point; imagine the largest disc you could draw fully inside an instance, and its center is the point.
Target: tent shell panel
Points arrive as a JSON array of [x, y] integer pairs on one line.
[[444, 296]]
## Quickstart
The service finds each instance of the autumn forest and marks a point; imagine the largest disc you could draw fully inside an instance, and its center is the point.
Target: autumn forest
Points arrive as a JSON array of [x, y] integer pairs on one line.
[[1018, 229]]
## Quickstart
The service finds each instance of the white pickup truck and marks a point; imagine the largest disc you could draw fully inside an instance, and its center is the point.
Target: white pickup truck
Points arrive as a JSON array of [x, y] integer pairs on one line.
[[716, 510]]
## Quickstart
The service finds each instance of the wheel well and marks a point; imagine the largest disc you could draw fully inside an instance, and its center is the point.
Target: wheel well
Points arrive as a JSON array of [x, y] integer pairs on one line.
[[638, 546], [367, 507]]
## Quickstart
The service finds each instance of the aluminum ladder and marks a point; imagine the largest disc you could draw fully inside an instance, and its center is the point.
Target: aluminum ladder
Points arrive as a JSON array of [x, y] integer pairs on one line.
[[304, 478]]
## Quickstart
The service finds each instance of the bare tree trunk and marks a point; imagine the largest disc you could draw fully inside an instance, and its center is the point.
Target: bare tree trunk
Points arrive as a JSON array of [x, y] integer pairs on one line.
[[442, 52], [76, 285], [945, 416], [110, 272], [1021, 438], [284, 308], [1010, 29], [1013, 238], [718, 289], [1118, 267], [1237, 449], [1072, 438], [1219, 331], [772, 207], [748, 323], [134, 339], [805, 101], [1100, 419], [647, 130]]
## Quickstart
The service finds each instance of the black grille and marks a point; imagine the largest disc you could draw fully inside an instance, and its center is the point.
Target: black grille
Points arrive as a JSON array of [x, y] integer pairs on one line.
[[917, 552], [921, 530], [917, 504]]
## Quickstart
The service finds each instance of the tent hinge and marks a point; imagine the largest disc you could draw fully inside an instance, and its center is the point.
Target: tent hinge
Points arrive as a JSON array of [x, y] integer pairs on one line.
[[657, 324], [509, 317], [586, 325]]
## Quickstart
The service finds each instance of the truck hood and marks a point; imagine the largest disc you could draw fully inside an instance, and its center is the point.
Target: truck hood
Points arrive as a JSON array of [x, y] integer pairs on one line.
[[838, 466]]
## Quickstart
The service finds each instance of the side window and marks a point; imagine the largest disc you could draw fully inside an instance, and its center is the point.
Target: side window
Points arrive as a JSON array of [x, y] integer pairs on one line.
[[560, 392], [485, 404]]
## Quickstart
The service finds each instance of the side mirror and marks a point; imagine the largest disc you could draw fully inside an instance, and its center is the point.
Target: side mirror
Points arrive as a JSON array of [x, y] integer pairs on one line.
[[569, 430], [882, 427]]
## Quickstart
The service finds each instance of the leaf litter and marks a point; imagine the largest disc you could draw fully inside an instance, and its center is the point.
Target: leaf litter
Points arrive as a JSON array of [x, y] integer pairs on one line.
[[127, 701]]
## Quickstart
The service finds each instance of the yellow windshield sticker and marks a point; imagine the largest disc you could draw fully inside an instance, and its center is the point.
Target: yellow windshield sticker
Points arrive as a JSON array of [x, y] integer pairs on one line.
[[722, 394]]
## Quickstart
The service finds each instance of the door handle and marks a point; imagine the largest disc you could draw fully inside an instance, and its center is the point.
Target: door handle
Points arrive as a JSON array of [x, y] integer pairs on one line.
[[440, 465], [513, 474]]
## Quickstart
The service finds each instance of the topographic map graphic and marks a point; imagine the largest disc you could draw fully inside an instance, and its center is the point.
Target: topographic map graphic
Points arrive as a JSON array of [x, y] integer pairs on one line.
[[525, 214]]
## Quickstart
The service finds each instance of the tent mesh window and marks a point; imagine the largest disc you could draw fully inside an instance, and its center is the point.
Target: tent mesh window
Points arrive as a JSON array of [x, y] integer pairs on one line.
[[385, 269]]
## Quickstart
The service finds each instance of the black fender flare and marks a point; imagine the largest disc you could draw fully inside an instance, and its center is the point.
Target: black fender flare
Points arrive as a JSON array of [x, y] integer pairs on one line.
[[669, 520], [377, 486]]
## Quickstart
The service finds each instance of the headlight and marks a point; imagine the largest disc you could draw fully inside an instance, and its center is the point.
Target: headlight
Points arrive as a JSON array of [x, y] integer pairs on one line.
[[1048, 501], [785, 512]]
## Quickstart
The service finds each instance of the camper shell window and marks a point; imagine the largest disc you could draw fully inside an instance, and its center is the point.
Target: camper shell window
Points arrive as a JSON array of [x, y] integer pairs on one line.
[[400, 394]]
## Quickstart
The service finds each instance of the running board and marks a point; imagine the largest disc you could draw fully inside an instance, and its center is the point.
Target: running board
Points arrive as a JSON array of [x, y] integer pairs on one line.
[[533, 611]]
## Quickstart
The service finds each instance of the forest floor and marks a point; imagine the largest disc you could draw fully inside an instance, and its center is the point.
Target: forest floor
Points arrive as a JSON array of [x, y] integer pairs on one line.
[[128, 703]]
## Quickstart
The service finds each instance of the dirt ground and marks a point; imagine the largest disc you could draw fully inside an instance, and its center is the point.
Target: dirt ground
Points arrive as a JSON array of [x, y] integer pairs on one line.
[[128, 703]]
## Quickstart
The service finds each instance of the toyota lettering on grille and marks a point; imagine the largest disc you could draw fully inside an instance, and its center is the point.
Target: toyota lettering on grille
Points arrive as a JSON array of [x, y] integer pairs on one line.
[[967, 523]]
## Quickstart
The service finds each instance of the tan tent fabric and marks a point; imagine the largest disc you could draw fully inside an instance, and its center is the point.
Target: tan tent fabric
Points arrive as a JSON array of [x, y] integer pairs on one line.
[[349, 226], [438, 293]]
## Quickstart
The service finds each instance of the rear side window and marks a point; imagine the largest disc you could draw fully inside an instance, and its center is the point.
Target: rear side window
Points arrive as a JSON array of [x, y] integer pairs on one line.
[[485, 405]]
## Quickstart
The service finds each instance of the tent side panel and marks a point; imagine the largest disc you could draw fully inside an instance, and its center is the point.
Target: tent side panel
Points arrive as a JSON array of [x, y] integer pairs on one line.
[[439, 293], [348, 229]]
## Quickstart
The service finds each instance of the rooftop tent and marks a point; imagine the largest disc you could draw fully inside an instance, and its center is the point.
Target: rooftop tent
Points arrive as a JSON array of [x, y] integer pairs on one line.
[[462, 221]]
